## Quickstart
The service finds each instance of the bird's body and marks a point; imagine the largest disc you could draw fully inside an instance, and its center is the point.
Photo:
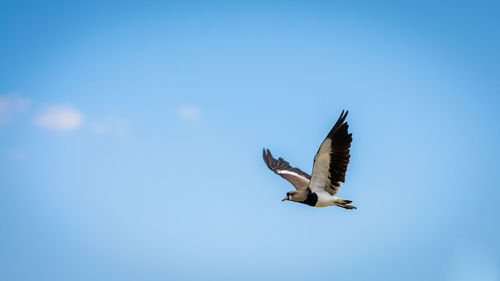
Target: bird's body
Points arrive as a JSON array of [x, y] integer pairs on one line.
[[325, 199], [329, 168]]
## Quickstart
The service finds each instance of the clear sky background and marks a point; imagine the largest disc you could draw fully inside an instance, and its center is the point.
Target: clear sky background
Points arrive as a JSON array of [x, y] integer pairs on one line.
[[131, 137]]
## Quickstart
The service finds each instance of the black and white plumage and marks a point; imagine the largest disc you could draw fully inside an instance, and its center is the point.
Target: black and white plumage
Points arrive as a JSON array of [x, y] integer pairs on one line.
[[329, 169], [295, 176]]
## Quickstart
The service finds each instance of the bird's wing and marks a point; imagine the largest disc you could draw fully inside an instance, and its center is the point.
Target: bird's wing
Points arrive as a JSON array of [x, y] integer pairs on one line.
[[330, 163], [295, 176]]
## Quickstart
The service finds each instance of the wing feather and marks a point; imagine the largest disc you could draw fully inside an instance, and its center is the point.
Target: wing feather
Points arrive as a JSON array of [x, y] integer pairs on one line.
[[281, 167], [330, 163]]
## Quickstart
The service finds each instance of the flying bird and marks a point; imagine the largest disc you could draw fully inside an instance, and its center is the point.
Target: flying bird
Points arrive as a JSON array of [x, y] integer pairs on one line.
[[329, 168]]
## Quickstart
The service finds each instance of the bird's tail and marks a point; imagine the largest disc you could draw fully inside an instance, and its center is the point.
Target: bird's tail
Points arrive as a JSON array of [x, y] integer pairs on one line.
[[344, 203], [341, 201]]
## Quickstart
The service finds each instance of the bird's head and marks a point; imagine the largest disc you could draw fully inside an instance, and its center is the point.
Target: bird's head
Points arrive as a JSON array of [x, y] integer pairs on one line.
[[296, 195]]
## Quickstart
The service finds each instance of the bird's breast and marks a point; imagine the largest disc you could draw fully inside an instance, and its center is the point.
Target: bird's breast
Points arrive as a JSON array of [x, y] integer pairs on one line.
[[312, 199]]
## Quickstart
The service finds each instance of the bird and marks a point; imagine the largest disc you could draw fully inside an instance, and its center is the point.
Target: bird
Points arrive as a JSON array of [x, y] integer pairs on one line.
[[328, 173]]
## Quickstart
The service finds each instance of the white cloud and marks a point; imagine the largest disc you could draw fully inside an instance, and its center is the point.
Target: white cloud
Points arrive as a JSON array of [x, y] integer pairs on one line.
[[10, 105], [60, 118], [190, 113]]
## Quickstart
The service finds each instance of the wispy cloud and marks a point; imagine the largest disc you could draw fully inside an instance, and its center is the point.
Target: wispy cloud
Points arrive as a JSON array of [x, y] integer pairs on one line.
[[189, 112], [60, 118], [10, 105]]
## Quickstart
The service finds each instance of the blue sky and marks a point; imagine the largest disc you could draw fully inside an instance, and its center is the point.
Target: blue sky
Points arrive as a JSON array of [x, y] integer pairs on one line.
[[131, 137]]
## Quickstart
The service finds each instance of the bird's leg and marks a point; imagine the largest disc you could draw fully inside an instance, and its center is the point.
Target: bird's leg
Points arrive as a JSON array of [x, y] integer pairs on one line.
[[348, 207]]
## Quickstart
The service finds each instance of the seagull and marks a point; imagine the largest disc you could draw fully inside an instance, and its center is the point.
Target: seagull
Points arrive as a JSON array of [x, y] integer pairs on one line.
[[329, 168]]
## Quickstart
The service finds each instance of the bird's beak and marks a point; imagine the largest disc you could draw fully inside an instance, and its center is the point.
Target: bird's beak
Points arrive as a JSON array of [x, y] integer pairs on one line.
[[286, 198]]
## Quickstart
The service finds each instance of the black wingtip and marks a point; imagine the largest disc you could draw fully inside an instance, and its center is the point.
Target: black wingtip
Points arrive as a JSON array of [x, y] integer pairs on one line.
[[343, 115], [269, 153], [339, 124], [268, 158]]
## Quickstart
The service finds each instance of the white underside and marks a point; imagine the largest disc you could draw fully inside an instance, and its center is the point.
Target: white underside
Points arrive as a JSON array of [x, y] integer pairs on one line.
[[321, 174], [325, 199]]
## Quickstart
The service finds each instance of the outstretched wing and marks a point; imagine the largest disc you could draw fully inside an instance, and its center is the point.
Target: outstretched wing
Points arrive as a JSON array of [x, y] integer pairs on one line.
[[330, 163], [281, 167]]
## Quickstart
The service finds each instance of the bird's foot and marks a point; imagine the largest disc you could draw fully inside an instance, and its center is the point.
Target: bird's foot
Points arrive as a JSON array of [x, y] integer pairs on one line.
[[348, 207]]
